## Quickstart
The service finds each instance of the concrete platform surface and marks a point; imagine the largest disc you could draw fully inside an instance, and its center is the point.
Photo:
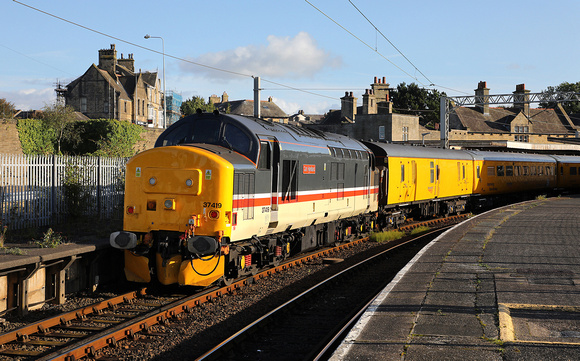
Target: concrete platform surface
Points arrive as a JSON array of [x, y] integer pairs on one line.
[[504, 285]]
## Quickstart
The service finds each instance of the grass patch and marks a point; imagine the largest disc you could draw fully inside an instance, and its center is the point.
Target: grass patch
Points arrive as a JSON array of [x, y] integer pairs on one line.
[[386, 236], [418, 230]]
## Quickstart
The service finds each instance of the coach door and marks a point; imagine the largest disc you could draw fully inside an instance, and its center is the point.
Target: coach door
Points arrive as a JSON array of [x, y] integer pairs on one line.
[[273, 148], [434, 178]]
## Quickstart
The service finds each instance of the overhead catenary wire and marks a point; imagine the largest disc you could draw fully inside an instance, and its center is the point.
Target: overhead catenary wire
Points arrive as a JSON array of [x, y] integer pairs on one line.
[[363, 42], [169, 55], [393, 45], [431, 84]]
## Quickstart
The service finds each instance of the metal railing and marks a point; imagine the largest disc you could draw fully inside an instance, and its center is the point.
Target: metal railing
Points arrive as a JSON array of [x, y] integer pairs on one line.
[[41, 190]]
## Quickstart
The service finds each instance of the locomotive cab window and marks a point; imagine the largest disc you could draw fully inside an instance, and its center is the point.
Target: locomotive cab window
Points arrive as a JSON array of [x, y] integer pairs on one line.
[[237, 139], [178, 135]]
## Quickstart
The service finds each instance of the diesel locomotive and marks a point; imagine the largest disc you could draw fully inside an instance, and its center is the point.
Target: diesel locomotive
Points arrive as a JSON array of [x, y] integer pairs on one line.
[[221, 195]]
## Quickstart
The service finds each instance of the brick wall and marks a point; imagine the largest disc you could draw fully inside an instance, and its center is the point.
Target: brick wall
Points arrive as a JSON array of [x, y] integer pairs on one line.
[[9, 142]]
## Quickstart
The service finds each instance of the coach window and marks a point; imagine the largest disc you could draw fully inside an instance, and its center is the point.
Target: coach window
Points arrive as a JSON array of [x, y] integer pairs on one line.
[[432, 171], [573, 171], [402, 173], [500, 171], [490, 171], [509, 171], [289, 180], [477, 172]]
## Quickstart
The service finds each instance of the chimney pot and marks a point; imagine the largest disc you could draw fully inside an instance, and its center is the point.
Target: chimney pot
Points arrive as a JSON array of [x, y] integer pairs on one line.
[[384, 80]]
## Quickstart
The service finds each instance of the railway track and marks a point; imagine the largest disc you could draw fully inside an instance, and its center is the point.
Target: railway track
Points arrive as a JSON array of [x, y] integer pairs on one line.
[[306, 327], [81, 333]]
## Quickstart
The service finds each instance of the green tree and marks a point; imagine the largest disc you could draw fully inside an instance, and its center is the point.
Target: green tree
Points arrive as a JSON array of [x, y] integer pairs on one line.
[[7, 109], [60, 118], [411, 99], [569, 107], [191, 106]]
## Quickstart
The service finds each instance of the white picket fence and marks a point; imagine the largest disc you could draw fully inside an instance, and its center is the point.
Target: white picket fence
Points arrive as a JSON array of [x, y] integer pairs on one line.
[[43, 190]]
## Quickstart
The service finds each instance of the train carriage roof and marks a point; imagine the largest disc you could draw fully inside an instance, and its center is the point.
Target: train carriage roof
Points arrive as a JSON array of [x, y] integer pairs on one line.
[[408, 151], [510, 157], [566, 159]]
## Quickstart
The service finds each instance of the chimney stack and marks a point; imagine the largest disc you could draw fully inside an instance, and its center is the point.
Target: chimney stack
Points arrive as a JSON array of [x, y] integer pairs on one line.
[[482, 97], [522, 99], [369, 102], [348, 106]]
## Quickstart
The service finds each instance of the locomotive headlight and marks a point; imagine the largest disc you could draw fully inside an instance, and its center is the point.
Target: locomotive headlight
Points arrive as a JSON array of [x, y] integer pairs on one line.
[[189, 182], [152, 181], [169, 204]]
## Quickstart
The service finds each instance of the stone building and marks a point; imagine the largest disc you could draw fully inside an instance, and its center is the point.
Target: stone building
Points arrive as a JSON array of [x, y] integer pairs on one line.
[[516, 123], [114, 90], [374, 120]]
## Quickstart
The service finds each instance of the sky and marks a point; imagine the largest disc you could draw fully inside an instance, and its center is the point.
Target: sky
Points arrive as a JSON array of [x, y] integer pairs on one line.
[[306, 53]]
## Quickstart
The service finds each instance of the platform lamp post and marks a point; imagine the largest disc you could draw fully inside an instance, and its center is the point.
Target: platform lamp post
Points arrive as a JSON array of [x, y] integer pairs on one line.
[[164, 95]]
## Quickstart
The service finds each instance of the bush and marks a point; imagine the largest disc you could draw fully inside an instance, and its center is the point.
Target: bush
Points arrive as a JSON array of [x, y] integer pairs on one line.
[[35, 138], [100, 137]]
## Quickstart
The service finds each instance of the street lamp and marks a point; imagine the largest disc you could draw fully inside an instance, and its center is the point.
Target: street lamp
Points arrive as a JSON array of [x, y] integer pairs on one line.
[[164, 95]]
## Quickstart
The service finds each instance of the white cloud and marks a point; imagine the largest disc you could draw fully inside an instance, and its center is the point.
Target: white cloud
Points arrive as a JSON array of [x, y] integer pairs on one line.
[[297, 56], [30, 99]]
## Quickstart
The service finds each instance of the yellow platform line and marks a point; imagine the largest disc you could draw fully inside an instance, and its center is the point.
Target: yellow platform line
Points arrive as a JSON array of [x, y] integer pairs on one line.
[[506, 326]]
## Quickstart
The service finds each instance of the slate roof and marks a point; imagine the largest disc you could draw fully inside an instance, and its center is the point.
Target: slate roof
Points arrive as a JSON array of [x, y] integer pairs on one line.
[[544, 121], [268, 109], [334, 117]]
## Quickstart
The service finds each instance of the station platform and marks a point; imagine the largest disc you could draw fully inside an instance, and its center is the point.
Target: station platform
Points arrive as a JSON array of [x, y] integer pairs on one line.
[[504, 285], [33, 276]]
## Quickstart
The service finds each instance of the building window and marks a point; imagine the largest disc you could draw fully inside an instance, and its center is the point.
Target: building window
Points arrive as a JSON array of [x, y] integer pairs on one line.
[[522, 129], [106, 107], [405, 134], [83, 104], [125, 106]]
